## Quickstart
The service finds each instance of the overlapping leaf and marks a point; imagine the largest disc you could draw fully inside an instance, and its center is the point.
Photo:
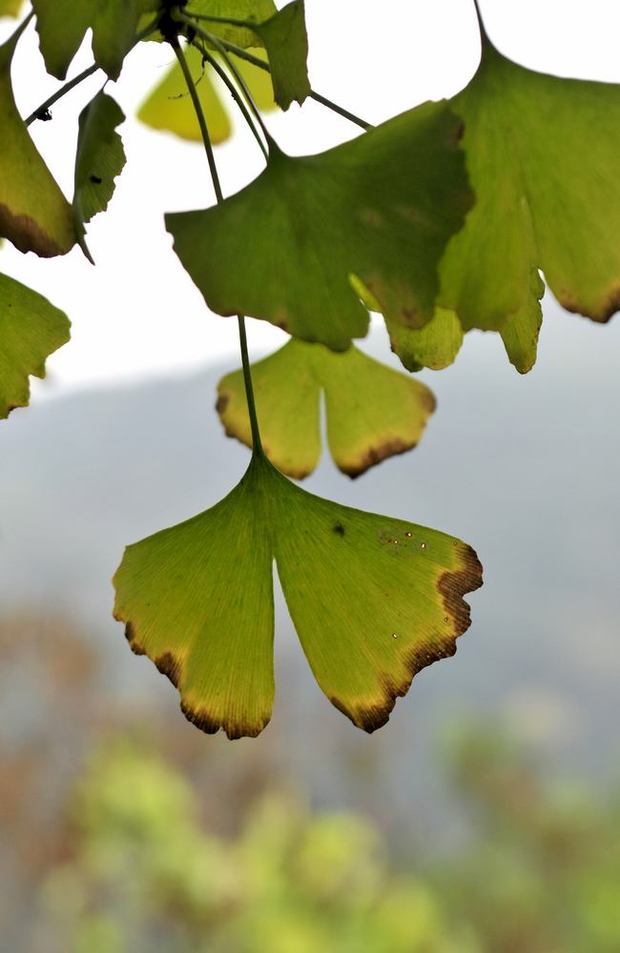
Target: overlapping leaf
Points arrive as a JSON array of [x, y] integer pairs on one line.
[[286, 42], [435, 345], [373, 412], [169, 108], [30, 329], [62, 25], [542, 157], [100, 158], [197, 599], [244, 36], [379, 209], [34, 213]]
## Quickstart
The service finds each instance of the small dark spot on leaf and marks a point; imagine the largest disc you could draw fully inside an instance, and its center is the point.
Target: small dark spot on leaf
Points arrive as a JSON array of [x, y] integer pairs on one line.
[[221, 405], [339, 529], [44, 115], [95, 179]]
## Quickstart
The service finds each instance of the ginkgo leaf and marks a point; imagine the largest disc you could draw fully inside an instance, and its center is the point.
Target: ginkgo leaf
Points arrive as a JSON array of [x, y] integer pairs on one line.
[[100, 158], [541, 156], [373, 412], [373, 600], [380, 208], [30, 329], [62, 25], [169, 108], [286, 42], [244, 36], [34, 213]]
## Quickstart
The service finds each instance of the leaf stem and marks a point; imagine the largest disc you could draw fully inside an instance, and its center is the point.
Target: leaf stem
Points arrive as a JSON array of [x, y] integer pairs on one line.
[[323, 100], [41, 111], [243, 341], [232, 89], [214, 41]]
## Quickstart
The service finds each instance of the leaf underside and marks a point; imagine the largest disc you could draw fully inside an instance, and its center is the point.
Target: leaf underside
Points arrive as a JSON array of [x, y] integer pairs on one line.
[[30, 329], [197, 599], [373, 412], [379, 209]]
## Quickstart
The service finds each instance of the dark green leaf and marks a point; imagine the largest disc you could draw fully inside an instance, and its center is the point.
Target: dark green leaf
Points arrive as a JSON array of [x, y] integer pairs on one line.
[[100, 158], [285, 39], [62, 25], [379, 209], [373, 599], [30, 329]]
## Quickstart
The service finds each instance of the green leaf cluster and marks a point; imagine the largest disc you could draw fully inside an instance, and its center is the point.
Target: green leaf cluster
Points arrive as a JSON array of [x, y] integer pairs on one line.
[[443, 219]]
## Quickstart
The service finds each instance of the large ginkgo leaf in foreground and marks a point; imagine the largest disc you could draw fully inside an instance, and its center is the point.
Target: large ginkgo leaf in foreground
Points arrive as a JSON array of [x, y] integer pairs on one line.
[[30, 329], [373, 600], [34, 214], [289, 246], [373, 412], [543, 159]]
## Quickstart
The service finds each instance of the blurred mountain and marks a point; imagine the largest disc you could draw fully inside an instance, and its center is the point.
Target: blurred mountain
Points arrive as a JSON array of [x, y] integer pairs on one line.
[[526, 469]]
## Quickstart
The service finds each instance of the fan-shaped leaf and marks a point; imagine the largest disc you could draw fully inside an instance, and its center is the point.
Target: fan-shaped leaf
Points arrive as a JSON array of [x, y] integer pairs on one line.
[[100, 158], [197, 599], [34, 213], [169, 107], [62, 25], [30, 329], [542, 156], [380, 209], [373, 412]]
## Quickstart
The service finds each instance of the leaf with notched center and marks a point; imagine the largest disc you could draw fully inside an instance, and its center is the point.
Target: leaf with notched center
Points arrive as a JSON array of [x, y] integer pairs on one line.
[[34, 214], [100, 158], [62, 25], [197, 599], [373, 412], [30, 330], [378, 210], [542, 156]]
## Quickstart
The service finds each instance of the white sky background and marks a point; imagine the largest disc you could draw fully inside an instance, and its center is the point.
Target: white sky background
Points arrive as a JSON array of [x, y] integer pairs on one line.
[[137, 313]]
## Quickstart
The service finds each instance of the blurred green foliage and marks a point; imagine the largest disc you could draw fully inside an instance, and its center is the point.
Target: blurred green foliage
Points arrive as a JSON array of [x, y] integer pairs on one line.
[[540, 872]]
